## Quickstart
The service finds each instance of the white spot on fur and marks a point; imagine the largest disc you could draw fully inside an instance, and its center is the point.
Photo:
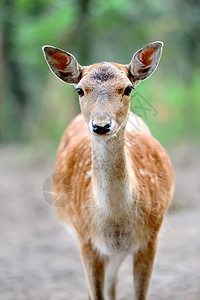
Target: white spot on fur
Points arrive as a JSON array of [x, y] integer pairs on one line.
[[87, 161], [88, 174], [142, 172]]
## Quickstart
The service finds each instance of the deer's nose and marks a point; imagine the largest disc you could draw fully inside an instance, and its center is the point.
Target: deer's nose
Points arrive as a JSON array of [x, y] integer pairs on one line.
[[101, 129]]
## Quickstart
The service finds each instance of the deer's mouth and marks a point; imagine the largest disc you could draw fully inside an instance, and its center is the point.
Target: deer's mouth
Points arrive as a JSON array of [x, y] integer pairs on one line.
[[103, 136]]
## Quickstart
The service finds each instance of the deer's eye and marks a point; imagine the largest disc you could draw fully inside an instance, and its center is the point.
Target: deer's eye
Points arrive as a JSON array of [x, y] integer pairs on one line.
[[128, 90], [80, 92]]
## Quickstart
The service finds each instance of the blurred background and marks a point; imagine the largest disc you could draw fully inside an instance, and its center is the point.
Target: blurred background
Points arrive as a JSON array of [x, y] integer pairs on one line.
[[35, 109]]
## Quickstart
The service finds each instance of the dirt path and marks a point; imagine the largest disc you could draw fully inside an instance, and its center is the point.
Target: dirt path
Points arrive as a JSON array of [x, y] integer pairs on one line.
[[39, 260]]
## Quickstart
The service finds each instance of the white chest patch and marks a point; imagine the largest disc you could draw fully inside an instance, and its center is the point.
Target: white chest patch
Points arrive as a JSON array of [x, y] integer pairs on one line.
[[116, 240]]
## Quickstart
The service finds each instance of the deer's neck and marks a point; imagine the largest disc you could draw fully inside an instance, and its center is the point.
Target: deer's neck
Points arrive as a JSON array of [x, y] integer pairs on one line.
[[110, 175]]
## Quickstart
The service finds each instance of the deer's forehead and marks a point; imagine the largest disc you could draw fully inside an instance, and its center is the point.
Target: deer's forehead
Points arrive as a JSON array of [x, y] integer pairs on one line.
[[104, 76], [104, 72]]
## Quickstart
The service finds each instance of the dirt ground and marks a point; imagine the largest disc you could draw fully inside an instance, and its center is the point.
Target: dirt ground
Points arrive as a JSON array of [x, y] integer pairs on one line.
[[39, 260]]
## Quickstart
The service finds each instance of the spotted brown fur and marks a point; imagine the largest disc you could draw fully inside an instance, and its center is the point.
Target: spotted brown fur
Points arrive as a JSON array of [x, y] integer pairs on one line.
[[113, 188]]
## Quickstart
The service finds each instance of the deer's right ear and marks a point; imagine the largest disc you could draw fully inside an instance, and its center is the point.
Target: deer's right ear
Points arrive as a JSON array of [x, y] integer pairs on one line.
[[62, 64]]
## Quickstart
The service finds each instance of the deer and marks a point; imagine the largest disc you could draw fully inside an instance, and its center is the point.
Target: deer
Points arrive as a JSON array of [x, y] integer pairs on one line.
[[116, 181]]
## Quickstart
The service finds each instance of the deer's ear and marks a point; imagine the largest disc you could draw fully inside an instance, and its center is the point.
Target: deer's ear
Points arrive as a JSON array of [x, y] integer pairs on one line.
[[145, 61], [62, 64]]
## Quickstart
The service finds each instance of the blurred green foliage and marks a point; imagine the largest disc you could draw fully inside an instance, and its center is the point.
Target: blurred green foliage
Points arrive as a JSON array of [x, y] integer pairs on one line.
[[35, 106]]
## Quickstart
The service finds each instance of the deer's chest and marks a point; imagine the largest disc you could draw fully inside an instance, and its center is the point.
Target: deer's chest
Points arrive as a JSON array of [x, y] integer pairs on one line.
[[114, 239]]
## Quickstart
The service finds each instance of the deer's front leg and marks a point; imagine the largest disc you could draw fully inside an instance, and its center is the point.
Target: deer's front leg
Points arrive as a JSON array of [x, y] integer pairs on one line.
[[94, 269], [143, 267]]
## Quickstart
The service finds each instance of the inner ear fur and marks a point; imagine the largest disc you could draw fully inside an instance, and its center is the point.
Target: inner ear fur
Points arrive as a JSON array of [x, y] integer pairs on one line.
[[145, 62], [63, 64]]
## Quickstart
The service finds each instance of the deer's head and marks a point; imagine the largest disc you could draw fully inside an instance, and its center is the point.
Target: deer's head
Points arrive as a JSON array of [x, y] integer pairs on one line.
[[105, 88]]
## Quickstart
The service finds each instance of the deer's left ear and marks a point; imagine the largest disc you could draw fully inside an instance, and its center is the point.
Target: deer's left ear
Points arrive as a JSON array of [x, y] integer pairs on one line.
[[145, 62]]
